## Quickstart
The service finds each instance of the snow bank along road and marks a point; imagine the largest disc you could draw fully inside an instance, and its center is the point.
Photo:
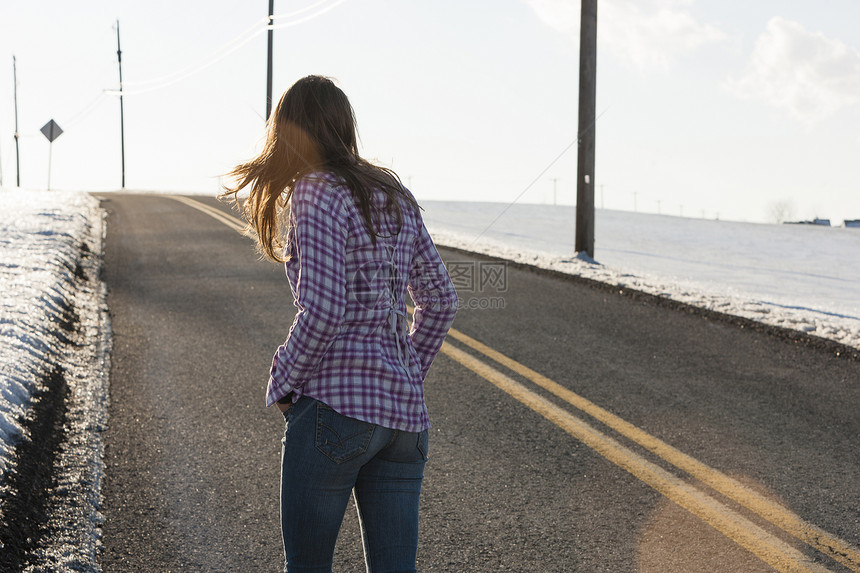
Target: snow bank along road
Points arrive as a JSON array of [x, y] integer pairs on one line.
[[802, 277], [576, 428], [53, 379]]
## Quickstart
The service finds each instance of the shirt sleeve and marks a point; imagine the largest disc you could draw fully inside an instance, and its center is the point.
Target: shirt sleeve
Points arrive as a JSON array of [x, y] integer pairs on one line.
[[319, 227], [435, 300]]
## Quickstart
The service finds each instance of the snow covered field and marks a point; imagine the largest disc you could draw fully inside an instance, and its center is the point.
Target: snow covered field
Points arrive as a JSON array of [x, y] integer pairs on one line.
[[801, 277], [54, 335]]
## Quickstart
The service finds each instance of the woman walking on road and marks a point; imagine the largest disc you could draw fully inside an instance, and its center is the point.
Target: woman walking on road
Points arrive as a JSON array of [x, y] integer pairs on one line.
[[350, 377]]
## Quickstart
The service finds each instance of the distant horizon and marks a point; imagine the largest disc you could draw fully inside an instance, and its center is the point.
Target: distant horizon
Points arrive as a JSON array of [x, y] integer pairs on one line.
[[802, 277], [834, 223]]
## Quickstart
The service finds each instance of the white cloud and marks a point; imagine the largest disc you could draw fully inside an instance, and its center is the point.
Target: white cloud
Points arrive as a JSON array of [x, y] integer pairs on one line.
[[651, 34], [806, 74]]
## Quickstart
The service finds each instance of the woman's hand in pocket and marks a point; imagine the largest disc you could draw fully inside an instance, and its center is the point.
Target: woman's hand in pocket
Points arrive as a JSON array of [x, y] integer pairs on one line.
[[285, 403]]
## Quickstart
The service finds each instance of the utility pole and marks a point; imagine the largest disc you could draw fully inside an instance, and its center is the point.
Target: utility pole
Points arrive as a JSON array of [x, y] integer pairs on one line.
[[587, 118], [17, 153], [121, 115], [269, 63]]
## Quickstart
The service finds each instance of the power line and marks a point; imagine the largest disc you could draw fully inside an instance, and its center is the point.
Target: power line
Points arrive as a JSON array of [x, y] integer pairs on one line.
[[536, 179], [238, 42], [246, 36], [306, 18], [263, 25], [523, 192], [299, 11], [85, 111]]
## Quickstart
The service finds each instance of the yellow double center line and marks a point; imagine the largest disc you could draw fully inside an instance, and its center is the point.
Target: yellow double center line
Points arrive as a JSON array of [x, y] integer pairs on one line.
[[766, 546], [769, 548], [213, 212]]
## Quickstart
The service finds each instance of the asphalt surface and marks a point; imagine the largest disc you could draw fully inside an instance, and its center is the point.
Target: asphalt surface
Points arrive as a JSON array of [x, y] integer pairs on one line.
[[192, 455]]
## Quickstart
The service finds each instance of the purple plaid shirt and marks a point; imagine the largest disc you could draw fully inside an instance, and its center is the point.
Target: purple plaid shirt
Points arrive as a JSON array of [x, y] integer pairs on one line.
[[350, 345]]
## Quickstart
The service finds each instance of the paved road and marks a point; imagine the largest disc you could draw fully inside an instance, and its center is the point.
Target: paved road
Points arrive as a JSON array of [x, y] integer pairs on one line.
[[524, 475]]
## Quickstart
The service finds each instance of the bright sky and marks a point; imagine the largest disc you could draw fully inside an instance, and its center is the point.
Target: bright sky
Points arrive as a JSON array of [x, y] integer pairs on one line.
[[717, 109]]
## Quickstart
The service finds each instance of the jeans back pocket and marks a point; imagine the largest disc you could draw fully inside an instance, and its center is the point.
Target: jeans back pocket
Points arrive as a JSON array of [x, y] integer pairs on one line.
[[339, 437], [423, 444]]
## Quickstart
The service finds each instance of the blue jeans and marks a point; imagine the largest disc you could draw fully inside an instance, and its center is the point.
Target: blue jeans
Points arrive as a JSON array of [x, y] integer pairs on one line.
[[326, 456]]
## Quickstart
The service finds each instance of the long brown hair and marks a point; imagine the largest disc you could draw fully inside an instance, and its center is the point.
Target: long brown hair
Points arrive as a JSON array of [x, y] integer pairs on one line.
[[311, 129]]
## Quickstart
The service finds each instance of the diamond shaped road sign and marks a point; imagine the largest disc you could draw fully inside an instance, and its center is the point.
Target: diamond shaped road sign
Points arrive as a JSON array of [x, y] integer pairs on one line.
[[51, 130]]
